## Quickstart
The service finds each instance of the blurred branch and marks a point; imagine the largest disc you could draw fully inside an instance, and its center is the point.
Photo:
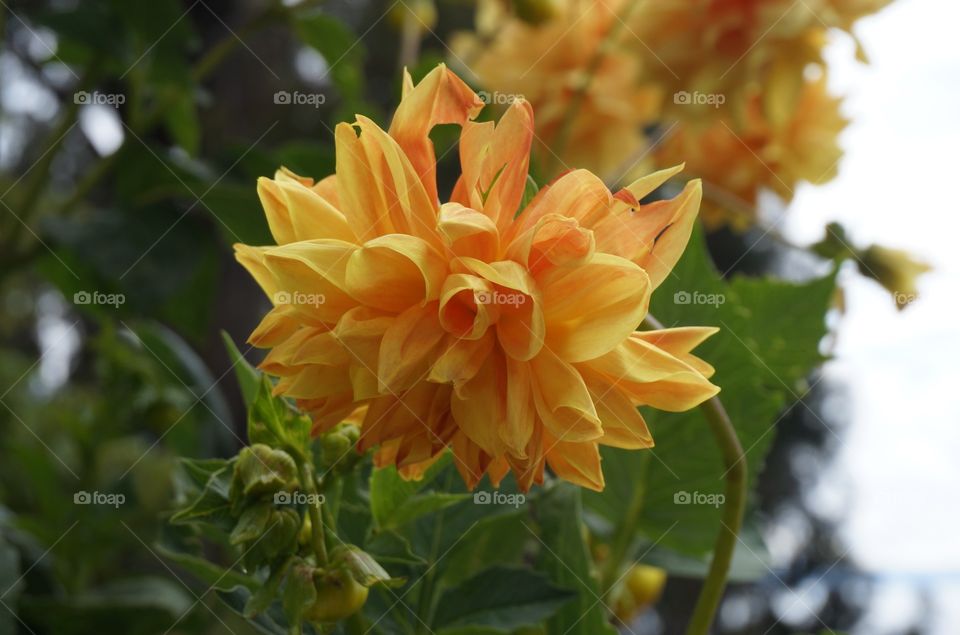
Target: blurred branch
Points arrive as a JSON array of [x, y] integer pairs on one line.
[[733, 509]]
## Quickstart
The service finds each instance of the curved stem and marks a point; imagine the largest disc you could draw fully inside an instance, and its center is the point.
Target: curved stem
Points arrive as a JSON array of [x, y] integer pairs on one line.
[[316, 521], [733, 509]]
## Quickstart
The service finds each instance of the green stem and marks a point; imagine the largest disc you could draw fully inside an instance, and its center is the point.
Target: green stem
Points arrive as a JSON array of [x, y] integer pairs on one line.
[[733, 509], [625, 533], [316, 521]]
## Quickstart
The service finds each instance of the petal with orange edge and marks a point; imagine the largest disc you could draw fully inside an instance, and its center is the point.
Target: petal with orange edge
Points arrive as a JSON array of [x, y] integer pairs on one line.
[[395, 272], [468, 233], [407, 347], [495, 159], [440, 98], [516, 299], [562, 399], [296, 212], [680, 341], [592, 308], [578, 463]]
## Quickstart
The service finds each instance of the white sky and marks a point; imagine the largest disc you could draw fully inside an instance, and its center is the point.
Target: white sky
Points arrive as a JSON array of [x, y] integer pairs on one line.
[[900, 456]]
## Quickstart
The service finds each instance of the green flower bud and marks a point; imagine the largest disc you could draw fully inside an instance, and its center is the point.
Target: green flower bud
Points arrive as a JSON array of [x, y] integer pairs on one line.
[[262, 470]]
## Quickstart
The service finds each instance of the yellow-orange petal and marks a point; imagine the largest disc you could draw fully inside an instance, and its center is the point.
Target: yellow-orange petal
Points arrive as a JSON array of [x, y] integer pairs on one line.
[[407, 348], [440, 98], [554, 240], [314, 381], [402, 195], [515, 297], [310, 276], [461, 314], [651, 376], [360, 332], [478, 407], [652, 235], [562, 399], [395, 272], [680, 341], [578, 463], [577, 194], [520, 417], [461, 359], [276, 326], [468, 233], [296, 212], [495, 159], [592, 308], [623, 425]]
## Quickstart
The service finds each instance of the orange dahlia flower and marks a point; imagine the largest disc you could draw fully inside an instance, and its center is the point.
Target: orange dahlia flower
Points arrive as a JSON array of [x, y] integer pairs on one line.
[[507, 337]]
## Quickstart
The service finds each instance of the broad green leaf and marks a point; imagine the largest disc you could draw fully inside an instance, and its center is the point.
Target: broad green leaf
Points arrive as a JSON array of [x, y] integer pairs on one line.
[[768, 342], [501, 598], [395, 501], [563, 557], [389, 546]]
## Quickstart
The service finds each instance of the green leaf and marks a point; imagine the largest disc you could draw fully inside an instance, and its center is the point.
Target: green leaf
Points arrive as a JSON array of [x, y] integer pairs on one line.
[[395, 501], [501, 598], [564, 558], [199, 471], [271, 421], [262, 598], [252, 523], [768, 342], [299, 593], [208, 572], [212, 506], [180, 117], [389, 546], [247, 376]]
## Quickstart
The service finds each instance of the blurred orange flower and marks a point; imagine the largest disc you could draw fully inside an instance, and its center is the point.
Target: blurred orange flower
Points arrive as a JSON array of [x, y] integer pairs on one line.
[[586, 89], [733, 48], [738, 158], [510, 339]]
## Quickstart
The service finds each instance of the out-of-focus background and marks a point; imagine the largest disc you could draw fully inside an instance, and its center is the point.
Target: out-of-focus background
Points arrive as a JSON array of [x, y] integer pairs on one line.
[[890, 486], [141, 199]]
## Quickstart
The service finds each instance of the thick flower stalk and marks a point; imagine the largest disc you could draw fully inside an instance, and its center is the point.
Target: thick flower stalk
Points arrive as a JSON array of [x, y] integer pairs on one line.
[[507, 335]]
